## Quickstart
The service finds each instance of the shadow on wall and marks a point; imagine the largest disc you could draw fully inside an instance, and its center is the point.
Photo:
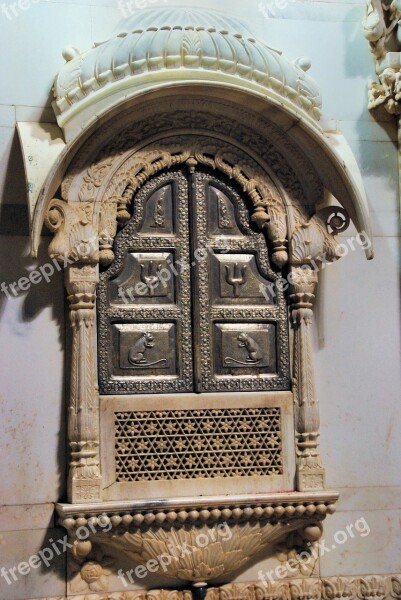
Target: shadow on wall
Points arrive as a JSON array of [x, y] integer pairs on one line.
[[16, 263], [26, 296]]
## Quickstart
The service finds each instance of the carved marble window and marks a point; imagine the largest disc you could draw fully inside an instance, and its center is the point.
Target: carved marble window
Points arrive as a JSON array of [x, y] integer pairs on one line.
[[191, 187]]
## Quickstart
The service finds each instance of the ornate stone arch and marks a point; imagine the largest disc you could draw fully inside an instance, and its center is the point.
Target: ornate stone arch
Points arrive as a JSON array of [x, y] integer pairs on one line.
[[245, 164]]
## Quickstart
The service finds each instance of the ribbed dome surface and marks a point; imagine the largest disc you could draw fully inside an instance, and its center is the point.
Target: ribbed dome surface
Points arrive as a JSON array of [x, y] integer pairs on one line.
[[195, 44], [183, 17]]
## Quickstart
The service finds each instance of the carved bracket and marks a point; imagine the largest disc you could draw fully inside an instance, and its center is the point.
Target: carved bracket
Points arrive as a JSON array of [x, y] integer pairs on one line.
[[221, 537], [76, 237]]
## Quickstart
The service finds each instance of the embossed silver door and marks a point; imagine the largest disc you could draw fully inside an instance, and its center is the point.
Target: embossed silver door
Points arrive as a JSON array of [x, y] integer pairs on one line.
[[190, 302], [144, 304], [240, 332]]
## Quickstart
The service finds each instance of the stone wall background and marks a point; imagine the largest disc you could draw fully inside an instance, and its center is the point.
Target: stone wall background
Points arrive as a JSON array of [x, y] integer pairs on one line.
[[357, 338]]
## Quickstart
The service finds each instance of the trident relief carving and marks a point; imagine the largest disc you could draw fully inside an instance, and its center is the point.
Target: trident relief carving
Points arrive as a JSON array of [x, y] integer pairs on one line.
[[236, 276]]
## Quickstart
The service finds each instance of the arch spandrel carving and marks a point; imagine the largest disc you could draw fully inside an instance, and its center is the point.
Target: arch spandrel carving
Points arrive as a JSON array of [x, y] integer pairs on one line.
[[261, 155], [317, 167], [222, 120]]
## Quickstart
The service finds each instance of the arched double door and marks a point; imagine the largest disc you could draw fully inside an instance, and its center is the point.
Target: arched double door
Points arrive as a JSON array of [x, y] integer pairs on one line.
[[190, 303]]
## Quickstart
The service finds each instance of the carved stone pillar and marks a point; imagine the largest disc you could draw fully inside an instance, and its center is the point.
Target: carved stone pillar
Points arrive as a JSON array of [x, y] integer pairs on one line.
[[310, 471], [83, 410], [76, 246], [311, 244]]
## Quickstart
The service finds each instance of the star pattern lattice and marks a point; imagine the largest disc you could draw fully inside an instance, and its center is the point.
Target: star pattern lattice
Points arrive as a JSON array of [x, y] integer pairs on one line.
[[191, 444]]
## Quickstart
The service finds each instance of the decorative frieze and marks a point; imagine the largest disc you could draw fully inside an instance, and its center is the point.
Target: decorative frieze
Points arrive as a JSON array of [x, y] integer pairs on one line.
[[384, 587]]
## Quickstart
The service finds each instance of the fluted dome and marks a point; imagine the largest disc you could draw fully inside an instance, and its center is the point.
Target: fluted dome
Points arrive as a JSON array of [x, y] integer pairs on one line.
[[167, 45], [183, 17]]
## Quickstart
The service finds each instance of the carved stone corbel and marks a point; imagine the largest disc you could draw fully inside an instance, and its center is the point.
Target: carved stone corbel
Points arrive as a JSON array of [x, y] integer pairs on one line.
[[76, 237], [88, 568], [299, 553]]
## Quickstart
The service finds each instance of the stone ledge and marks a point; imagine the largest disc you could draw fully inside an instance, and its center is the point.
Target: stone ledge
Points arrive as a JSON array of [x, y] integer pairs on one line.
[[200, 510]]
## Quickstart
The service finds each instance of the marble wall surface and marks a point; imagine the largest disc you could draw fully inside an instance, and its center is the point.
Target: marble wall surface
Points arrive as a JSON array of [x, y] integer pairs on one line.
[[357, 338]]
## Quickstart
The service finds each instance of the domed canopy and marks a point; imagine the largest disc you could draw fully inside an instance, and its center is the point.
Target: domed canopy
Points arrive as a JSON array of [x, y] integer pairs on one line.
[[161, 46], [177, 53]]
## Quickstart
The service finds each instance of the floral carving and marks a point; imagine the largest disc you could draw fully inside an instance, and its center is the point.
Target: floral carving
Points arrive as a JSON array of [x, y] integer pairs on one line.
[[300, 552], [188, 560], [371, 588], [337, 588], [305, 588], [90, 573], [380, 26], [395, 588], [332, 588]]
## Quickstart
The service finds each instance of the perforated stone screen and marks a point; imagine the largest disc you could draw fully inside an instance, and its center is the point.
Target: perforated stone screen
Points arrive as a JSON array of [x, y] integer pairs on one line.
[[191, 444]]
